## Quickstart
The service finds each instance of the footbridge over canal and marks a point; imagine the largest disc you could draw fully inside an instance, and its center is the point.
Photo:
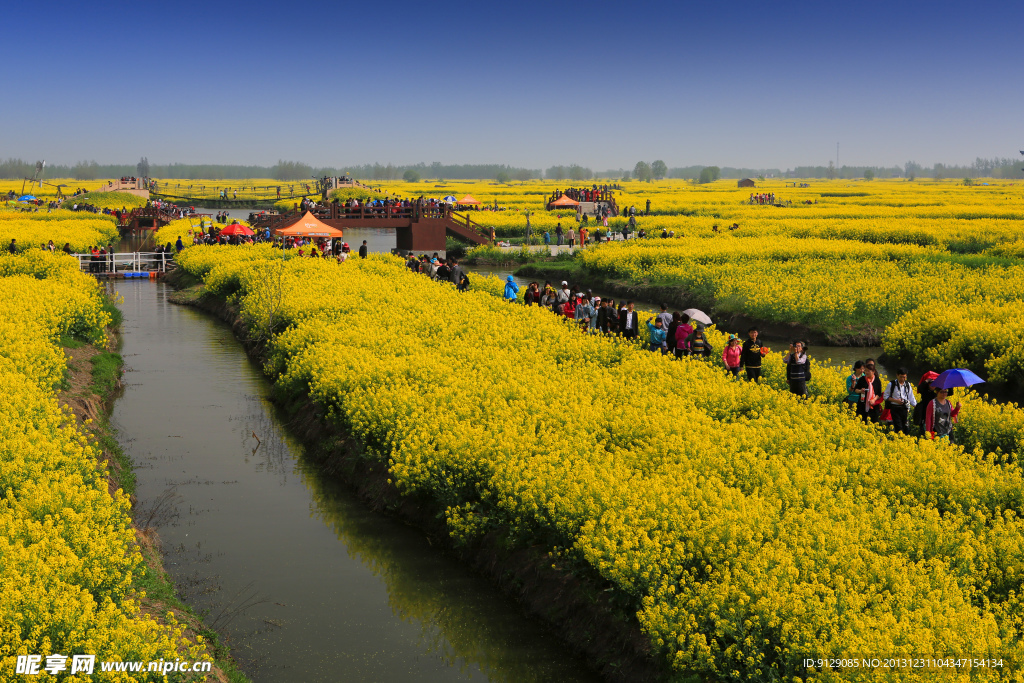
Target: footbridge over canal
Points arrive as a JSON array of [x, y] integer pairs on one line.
[[418, 228]]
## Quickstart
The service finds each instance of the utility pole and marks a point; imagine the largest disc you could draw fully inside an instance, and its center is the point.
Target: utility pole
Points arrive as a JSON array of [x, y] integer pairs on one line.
[[837, 159]]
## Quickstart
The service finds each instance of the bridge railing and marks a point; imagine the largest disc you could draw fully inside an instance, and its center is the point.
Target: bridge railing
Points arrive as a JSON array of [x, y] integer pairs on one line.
[[121, 262], [468, 223]]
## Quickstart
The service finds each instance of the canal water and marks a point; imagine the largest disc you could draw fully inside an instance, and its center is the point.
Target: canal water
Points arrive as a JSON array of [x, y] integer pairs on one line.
[[307, 584]]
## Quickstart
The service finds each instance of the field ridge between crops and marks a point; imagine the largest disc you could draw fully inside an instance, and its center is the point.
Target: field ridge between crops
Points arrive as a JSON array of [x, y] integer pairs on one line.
[[584, 614]]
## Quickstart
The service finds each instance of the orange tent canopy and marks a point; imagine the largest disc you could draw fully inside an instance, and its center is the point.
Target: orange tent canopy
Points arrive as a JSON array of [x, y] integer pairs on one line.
[[309, 226], [565, 201], [468, 199]]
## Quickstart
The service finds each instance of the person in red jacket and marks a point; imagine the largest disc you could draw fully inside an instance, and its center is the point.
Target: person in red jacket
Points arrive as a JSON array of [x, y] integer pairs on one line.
[[731, 355], [569, 309]]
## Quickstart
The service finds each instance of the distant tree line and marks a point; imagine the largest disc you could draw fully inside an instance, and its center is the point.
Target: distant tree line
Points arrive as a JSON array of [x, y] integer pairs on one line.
[[499, 172], [1008, 168], [282, 170]]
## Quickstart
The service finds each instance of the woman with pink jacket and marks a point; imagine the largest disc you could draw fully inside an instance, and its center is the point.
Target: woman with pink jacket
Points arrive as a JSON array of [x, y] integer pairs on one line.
[[731, 355], [682, 334]]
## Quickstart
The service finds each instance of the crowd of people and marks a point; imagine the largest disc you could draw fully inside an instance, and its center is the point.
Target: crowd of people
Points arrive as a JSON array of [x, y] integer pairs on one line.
[[897, 404], [92, 208], [595, 193], [675, 335], [438, 268], [762, 198]]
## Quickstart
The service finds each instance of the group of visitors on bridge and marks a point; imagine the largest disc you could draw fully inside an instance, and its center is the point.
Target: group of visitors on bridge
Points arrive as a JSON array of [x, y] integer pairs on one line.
[[595, 193]]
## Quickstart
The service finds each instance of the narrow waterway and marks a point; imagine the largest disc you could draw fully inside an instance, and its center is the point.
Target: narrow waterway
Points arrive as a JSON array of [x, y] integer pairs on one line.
[[306, 582]]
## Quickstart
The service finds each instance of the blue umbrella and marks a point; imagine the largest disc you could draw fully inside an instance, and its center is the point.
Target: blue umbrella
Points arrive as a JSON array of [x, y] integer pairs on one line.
[[449, 198], [26, 198], [958, 377]]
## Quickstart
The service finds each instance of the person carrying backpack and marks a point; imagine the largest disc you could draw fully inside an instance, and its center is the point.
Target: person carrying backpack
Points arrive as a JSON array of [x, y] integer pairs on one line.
[[899, 399]]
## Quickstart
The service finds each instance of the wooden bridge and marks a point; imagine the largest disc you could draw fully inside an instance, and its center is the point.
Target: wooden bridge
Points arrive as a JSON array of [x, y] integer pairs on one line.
[[149, 218], [588, 201], [419, 227]]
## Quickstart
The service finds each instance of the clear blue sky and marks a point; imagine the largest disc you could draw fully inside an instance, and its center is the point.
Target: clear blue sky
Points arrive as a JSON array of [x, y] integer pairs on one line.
[[525, 83]]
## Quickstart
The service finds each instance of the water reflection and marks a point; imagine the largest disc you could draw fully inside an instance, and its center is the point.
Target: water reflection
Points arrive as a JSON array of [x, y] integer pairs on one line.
[[306, 582]]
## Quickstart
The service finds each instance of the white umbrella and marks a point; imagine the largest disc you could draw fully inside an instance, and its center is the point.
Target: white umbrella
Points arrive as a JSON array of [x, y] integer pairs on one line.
[[699, 316], [449, 198]]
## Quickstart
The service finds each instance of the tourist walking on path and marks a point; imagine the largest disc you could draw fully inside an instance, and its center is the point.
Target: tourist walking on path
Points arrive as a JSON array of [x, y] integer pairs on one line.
[[939, 416], [867, 399], [731, 355], [670, 333], [798, 368], [454, 272], [657, 333], [511, 289], [665, 317], [683, 332], [564, 294], [924, 388], [558, 234], [751, 355], [548, 298], [852, 397], [899, 399], [629, 322], [532, 295], [876, 384], [698, 344], [604, 312], [613, 317], [586, 315]]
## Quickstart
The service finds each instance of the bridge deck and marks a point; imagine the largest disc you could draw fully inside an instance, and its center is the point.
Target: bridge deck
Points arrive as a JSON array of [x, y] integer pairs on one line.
[[418, 228]]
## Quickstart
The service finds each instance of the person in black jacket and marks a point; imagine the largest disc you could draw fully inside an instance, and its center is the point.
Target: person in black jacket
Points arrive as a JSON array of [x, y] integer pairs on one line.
[[798, 368], [603, 314], [750, 355], [629, 322], [363, 250]]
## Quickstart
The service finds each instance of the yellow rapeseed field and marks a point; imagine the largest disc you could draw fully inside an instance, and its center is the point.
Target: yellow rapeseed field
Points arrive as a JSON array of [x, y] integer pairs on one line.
[[80, 230], [933, 268], [746, 528], [68, 555]]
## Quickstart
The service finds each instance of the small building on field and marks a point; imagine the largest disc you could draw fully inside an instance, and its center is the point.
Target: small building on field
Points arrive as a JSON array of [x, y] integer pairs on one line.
[[746, 182]]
